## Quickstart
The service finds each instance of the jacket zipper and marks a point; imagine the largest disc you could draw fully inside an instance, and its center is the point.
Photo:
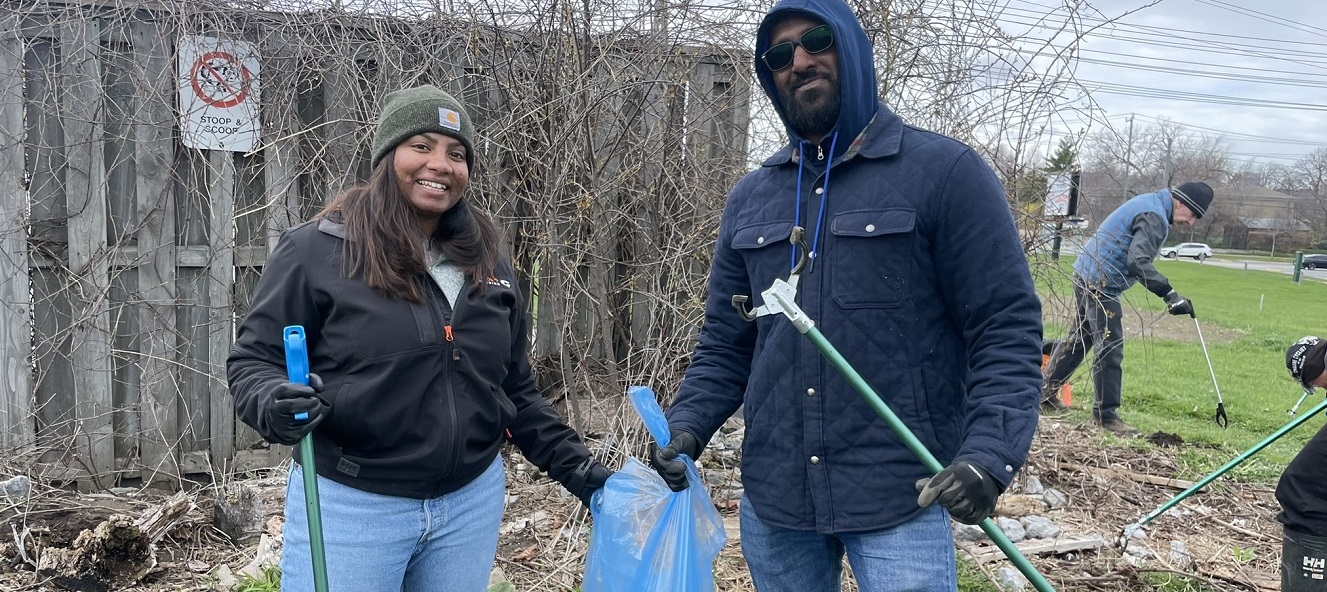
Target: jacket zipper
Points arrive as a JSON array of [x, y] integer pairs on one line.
[[820, 152], [444, 310]]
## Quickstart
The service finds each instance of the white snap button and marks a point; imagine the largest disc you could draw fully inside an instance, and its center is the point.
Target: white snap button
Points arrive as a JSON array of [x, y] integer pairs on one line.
[[820, 190], [811, 392], [815, 460], [760, 241], [1008, 469], [870, 227]]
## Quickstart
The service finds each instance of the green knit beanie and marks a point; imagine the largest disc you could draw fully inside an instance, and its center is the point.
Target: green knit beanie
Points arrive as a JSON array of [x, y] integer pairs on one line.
[[417, 110]]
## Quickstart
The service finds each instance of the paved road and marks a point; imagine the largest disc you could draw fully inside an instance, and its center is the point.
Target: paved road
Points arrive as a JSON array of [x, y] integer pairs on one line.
[[1272, 266]]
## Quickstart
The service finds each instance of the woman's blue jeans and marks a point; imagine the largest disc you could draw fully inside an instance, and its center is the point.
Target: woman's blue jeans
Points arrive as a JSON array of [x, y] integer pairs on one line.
[[386, 543], [916, 556]]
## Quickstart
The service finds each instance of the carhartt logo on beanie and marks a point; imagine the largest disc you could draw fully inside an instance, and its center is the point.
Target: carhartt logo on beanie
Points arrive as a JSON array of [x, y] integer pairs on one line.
[[1196, 195], [418, 110], [1307, 359]]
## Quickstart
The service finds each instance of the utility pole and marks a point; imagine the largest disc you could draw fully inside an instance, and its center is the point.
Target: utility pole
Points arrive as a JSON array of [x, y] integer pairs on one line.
[[1128, 158]]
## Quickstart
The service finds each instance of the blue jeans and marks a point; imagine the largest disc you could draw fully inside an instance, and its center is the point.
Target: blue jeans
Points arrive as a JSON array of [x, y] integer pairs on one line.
[[916, 556], [386, 543]]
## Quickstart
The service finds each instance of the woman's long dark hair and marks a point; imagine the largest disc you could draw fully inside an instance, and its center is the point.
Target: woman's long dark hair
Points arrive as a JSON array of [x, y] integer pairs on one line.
[[382, 247]]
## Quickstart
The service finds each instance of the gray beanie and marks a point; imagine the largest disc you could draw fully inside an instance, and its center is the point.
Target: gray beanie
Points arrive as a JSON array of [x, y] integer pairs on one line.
[[418, 110]]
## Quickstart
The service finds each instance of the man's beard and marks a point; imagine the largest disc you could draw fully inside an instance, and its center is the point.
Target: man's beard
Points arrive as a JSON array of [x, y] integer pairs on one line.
[[811, 113]]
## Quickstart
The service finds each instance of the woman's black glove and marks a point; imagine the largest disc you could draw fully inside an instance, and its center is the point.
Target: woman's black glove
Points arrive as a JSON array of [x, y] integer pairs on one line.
[[965, 489], [665, 462], [588, 477], [288, 400]]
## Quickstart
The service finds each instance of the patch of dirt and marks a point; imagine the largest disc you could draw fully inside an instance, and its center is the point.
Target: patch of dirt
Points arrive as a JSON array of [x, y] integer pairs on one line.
[[1228, 528], [1165, 439]]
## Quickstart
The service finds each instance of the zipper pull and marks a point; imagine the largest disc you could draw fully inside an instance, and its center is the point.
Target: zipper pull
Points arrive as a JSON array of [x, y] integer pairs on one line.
[[820, 152], [455, 352]]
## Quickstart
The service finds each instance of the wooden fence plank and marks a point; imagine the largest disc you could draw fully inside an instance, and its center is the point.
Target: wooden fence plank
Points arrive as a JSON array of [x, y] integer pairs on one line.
[[221, 277], [54, 391], [122, 219], [154, 191], [15, 313], [85, 190], [344, 156]]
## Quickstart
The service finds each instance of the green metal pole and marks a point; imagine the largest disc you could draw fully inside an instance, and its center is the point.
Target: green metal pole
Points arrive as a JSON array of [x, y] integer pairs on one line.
[[297, 371], [314, 513], [1232, 464], [919, 450], [781, 297]]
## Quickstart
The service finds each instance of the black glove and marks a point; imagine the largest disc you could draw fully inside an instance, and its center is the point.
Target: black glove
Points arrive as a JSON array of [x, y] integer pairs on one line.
[[589, 477], [1178, 305], [963, 488], [664, 460], [288, 399]]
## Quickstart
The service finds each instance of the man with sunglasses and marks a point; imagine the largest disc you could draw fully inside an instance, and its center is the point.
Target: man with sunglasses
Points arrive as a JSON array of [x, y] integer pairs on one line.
[[916, 273], [1302, 491]]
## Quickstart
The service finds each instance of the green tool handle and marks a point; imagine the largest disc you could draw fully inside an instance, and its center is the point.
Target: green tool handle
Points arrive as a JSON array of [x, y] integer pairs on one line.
[[1234, 462], [313, 512], [297, 371], [919, 450]]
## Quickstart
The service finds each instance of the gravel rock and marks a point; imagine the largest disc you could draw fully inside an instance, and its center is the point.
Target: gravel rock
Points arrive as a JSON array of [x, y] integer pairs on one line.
[[1011, 579], [1033, 486], [1013, 529], [17, 488], [1040, 527], [1054, 499], [969, 533]]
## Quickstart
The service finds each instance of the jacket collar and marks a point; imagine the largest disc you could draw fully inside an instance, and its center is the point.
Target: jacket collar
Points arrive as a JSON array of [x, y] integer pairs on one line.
[[881, 137], [331, 224]]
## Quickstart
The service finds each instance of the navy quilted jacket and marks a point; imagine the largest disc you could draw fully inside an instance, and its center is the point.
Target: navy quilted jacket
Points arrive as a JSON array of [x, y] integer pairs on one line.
[[919, 280]]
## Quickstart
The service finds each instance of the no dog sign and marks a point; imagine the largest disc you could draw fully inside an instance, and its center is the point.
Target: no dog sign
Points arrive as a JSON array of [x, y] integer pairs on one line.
[[218, 94]]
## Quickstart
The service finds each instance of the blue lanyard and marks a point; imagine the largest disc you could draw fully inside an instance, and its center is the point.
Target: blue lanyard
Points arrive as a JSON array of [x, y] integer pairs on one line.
[[824, 196]]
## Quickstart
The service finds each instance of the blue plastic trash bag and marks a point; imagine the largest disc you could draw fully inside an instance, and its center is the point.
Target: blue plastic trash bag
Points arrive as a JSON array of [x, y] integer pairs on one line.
[[646, 538]]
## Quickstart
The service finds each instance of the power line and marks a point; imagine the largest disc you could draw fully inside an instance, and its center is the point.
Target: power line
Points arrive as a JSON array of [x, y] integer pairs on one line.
[[1262, 16]]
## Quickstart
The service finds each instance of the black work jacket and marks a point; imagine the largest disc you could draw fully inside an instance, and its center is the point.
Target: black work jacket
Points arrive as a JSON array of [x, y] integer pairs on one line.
[[416, 410], [1302, 490]]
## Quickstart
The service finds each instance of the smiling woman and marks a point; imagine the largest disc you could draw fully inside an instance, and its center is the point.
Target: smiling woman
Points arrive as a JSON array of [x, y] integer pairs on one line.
[[419, 368]]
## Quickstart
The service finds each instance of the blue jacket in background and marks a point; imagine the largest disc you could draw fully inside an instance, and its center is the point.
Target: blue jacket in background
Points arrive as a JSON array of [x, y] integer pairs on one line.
[[1104, 263], [921, 283]]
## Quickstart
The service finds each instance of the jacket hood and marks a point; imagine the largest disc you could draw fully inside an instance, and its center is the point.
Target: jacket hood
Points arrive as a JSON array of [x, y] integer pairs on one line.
[[857, 82]]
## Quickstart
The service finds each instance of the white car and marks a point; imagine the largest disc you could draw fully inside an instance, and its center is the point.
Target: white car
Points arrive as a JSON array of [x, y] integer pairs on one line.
[[1198, 251]]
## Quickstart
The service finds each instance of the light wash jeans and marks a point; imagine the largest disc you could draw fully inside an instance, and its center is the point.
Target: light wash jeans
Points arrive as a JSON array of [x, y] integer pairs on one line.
[[916, 556], [383, 543]]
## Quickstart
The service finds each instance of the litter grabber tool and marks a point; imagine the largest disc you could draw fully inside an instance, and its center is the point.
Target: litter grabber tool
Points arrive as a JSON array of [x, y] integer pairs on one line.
[[1306, 394], [297, 371], [1227, 467], [742, 302], [1221, 418], [780, 298]]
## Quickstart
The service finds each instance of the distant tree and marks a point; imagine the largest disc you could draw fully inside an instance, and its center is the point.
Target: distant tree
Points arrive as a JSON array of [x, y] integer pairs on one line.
[[1065, 157], [1310, 175]]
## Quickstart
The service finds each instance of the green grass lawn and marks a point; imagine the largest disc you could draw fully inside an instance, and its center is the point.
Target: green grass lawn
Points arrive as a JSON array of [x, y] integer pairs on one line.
[[1167, 386]]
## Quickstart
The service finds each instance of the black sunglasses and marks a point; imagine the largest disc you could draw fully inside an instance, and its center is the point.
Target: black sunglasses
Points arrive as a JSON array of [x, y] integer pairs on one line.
[[814, 40]]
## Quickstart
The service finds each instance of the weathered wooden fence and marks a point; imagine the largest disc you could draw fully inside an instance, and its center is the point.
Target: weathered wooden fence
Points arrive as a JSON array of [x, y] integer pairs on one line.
[[127, 258]]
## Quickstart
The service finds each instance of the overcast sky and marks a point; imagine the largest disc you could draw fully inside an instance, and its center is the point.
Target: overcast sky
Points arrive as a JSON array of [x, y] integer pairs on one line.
[[1254, 71]]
